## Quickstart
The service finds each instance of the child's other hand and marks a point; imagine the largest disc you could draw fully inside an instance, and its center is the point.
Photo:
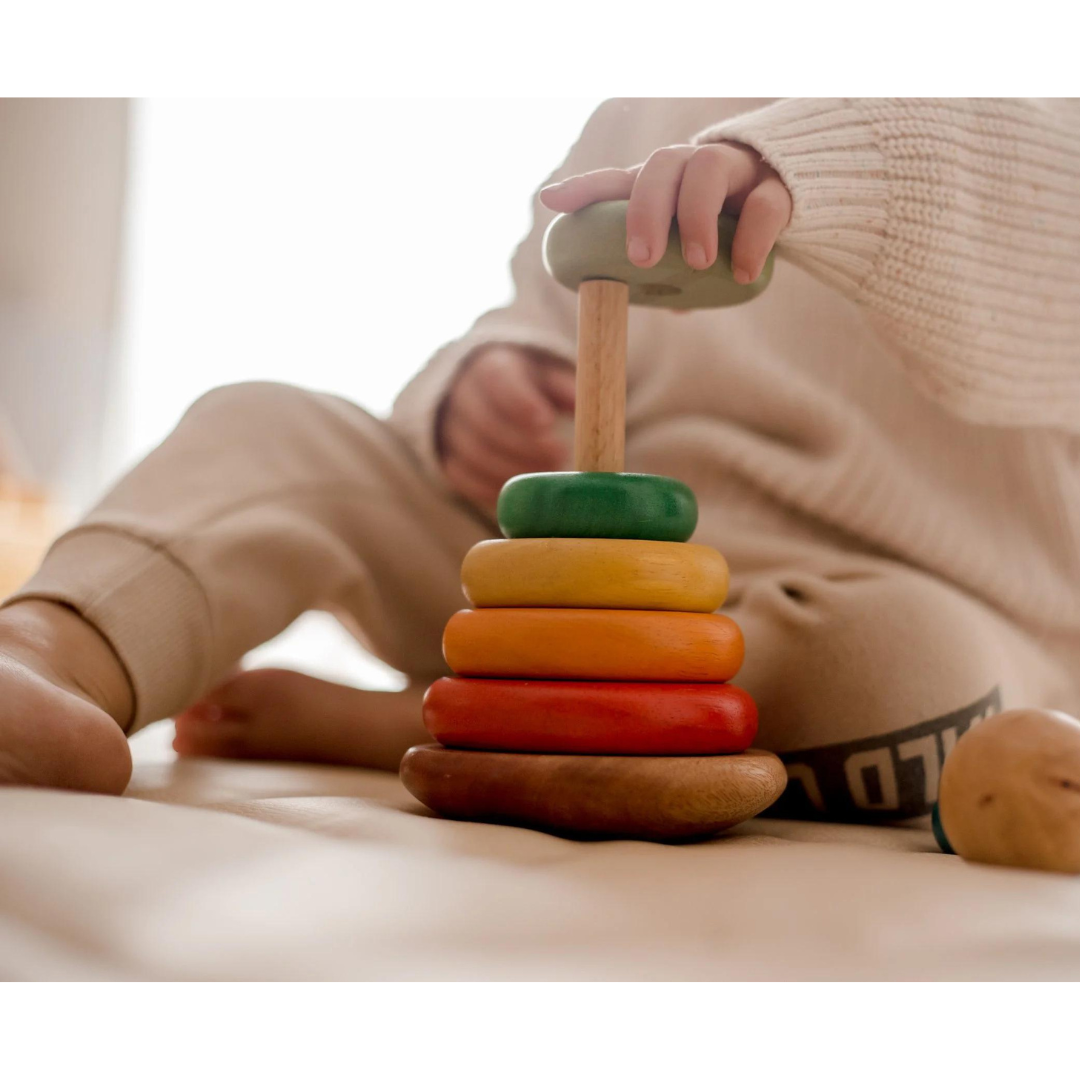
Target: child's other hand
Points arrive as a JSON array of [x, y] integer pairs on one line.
[[693, 184], [500, 419]]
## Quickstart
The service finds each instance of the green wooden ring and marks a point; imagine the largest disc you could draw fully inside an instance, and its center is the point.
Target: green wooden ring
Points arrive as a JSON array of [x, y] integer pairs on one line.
[[591, 243], [616, 506]]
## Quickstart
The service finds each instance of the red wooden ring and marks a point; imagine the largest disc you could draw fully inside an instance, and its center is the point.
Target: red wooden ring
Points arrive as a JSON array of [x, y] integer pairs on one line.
[[591, 717]]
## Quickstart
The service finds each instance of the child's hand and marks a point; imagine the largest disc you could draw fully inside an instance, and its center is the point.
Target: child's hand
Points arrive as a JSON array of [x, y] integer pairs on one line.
[[500, 420], [693, 184]]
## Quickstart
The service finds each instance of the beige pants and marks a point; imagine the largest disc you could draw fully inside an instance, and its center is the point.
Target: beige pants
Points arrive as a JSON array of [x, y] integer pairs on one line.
[[268, 501]]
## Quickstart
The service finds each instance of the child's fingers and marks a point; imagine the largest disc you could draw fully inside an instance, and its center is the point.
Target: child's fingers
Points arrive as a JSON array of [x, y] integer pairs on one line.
[[701, 198], [598, 186], [500, 455], [653, 203], [467, 447], [509, 388], [691, 184], [559, 383], [505, 438], [465, 483], [765, 213]]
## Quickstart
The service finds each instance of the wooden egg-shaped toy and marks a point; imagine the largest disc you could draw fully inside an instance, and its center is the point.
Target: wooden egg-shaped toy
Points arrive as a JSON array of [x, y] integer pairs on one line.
[[1010, 792], [591, 243], [648, 575], [611, 505]]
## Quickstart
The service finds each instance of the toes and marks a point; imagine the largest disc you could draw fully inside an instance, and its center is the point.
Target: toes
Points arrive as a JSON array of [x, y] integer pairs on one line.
[[241, 694], [205, 711], [237, 719], [233, 694], [220, 738], [249, 691]]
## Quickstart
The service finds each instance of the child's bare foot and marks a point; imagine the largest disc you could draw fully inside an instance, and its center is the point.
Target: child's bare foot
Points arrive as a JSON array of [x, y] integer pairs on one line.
[[63, 697], [288, 716]]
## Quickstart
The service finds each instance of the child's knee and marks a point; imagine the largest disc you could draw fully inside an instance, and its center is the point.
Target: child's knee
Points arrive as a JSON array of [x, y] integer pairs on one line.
[[292, 428], [864, 682], [253, 407]]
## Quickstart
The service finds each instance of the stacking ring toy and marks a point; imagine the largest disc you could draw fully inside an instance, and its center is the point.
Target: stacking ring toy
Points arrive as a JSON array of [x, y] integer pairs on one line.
[[591, 244], [591, 717], [652, 798], [641, 574], [591, 691], [584, 644], [613, 505]]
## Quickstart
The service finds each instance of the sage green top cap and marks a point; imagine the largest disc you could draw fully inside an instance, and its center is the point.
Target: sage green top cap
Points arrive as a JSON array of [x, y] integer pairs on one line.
[[591, 243], [613, 506]]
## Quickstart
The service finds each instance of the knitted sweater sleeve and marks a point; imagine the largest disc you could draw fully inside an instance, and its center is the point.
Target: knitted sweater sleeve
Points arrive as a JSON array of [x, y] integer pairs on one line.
[[956, 224]]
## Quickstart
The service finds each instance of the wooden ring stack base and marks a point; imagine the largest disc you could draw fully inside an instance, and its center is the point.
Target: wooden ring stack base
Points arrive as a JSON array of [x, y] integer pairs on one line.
[[591, 691], [648, 798]]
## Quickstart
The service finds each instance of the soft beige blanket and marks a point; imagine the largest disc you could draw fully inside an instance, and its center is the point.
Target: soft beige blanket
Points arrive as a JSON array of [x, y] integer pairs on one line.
[[219, 870]]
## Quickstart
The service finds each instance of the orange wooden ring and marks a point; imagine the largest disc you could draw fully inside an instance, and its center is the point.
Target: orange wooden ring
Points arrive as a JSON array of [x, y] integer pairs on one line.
[[651, 798], [586, 644], [591, 717]]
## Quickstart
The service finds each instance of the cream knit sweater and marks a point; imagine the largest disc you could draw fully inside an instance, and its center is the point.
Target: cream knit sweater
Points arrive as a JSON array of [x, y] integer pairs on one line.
[[908, 387]]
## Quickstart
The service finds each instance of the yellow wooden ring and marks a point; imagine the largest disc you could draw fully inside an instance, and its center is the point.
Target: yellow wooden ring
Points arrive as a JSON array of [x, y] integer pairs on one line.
[[581, 643], [559, 572]]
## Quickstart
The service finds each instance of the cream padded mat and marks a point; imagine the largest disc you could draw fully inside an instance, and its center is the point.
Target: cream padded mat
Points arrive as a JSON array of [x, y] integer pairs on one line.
[[221, 870]]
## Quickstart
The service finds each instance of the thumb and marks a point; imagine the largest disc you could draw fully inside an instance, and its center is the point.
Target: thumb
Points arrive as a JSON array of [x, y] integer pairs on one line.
[[557, 380]]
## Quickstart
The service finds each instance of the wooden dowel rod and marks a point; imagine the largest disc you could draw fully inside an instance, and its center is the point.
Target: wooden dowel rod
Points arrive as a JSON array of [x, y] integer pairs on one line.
[[600, 410]]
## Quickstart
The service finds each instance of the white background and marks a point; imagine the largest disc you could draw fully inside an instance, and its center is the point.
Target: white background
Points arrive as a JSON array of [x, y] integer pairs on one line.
[[334, 244]]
